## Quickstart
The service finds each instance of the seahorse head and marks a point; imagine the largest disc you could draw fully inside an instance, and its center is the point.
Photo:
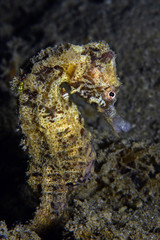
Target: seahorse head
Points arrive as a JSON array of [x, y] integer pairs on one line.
[[94, 77]]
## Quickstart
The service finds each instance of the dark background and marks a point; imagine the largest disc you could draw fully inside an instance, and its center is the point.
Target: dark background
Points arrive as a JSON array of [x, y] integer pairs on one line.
[[132, 29]]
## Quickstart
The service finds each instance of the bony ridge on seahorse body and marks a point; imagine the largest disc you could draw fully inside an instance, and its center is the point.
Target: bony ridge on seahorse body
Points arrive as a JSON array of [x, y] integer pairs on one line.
[[59, 145]]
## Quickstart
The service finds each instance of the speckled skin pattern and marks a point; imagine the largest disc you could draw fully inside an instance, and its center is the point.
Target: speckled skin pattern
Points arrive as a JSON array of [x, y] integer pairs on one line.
[[54, 131]]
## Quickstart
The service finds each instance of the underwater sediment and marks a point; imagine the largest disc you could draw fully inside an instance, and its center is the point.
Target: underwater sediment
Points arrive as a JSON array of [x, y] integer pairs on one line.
[[121, 200]]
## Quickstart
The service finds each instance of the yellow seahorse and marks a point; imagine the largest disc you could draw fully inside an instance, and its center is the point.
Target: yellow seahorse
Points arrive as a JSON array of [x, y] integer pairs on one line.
[[59, 145]]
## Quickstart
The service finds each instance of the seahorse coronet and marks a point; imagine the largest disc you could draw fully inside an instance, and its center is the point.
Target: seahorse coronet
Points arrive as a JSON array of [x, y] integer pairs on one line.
[[58, 142]]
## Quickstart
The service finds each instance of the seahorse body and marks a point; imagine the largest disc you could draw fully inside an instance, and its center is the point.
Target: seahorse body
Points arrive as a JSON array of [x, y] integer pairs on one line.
[[54, 133]]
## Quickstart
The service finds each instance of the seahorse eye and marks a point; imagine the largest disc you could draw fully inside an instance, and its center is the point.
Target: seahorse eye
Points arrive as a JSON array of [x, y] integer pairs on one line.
[[111, 94]]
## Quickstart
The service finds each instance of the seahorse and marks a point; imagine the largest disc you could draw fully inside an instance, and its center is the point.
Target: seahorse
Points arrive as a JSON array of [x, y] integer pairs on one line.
[[59, 144]]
